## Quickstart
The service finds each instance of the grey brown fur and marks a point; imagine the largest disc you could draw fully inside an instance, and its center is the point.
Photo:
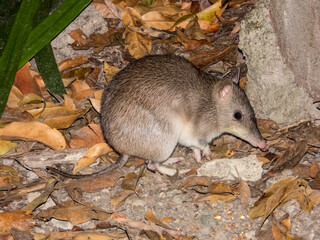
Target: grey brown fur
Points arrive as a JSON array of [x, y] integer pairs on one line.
[[161, 100], [158, 101]]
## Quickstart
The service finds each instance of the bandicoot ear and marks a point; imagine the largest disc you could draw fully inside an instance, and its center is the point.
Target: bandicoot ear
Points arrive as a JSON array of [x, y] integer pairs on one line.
[[226, 88]]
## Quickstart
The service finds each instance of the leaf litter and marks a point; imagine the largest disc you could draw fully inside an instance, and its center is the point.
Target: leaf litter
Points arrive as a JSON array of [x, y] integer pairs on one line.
[[134, 203]]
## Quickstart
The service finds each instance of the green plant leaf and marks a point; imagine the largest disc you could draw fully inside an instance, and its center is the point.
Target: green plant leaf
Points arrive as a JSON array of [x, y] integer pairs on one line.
[[45, 59], [11, 55], [51, 27]]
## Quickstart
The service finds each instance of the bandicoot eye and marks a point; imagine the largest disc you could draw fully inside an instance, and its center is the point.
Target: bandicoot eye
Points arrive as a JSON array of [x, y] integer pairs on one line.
[[238, 115]]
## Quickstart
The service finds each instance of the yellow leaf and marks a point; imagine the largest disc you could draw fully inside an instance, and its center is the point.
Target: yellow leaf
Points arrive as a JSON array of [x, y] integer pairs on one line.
[[92, 154], [30, 98], [34, 131], [209, 13], [6, 146]]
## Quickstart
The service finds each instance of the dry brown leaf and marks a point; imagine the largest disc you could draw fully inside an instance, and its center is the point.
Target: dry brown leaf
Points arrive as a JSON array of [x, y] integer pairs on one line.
[[94, 184], [59, 117], [73, 212], [236, 29], [197, 181], [92, 154], [219, 188], [130, 181], [25, 82], [35, 131], [162, 17], [17, 219], [279, 193], [8, 177], [314, 196], [87, 136], [244, 193], [216, 198], [291, 157], [109, 71], [72, 62], [97, 236], [314, 170], [81, 90], [138, 45], [14, 98], [119, 198], [151, 217], [96, 104]]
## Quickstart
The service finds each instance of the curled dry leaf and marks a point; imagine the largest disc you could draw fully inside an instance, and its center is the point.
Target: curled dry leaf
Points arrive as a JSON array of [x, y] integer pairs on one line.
[[59, 117], [92, 154], [163, 17], [138, 45], [14, 98], [25, 82], [73, 212], [35, 131], [72, 62], [278, 194]]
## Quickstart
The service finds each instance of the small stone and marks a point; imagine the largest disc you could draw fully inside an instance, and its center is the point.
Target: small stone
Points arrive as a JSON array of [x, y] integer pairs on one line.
[[247, 168], [208, 220]]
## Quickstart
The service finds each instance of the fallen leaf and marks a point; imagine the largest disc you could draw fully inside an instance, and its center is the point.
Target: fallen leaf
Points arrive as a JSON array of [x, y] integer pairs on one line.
[[9, 177], [92, 154], [216, 198], [35, 131], [291, 157], [17, 219], [244, 194], [109, 71], [209, 13], [96, 183], [73, 212], [163, 17], [108, 10], [151, 217], [87, 136], [30, 98], [314, 170], [130, 181], [25, 82], [138, 45], [278, 194], [14, 98], [72, 62], [59, 117], [197, 181], [6, 146], [119, 198]]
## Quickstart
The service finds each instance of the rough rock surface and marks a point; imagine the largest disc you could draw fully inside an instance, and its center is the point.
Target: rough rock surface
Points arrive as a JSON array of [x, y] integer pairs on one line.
[[280, 41]]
